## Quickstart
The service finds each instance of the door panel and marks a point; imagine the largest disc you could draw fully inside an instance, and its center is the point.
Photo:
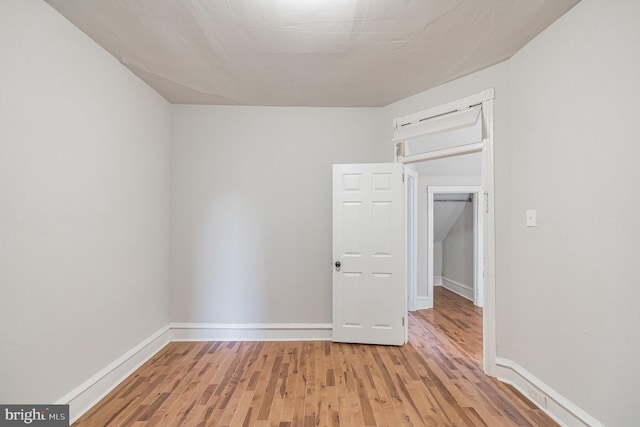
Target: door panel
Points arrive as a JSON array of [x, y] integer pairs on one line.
[[369, 287]]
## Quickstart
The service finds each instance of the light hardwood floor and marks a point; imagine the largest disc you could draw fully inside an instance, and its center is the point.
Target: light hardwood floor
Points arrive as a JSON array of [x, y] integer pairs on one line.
[[434, 380]]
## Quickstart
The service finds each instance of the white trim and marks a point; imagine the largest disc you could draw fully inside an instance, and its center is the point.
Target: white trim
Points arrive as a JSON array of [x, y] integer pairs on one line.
[[437, 280], [90, 392], [558, 407], [487, 242], [411, 195], [485, 98], [457, 105], [478, 244], [423, 303], [458, 150], [421, 126], [251, 331], [461, 289]]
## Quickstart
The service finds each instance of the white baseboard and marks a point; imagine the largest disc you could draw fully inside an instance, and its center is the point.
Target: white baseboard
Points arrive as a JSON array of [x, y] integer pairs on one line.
[[461, 289], [423, 303], [87, 394], [437, 280], [550, 401], [251, 331]]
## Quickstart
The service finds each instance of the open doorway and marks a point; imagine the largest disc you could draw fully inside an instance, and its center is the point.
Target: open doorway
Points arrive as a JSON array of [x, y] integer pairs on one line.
[[454, 242], [450, 148]]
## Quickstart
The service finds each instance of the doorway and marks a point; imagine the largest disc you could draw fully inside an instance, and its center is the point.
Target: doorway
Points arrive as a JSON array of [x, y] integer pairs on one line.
[[459, 247], [469, 112]]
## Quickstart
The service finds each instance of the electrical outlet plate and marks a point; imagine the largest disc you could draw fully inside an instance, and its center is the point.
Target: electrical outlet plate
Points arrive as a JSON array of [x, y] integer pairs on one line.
[[539, 397]]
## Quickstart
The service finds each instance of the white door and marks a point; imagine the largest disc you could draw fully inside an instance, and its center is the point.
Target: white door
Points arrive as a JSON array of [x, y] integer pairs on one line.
[[369, 285]]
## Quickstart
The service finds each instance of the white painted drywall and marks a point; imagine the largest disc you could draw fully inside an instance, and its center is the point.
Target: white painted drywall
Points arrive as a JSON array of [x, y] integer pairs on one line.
[[251, 208], [575, 146], [445, 214], [84, 199], [457, 248]]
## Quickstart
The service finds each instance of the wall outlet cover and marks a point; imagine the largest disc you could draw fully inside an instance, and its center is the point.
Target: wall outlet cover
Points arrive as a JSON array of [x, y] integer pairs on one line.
[[539, 397]]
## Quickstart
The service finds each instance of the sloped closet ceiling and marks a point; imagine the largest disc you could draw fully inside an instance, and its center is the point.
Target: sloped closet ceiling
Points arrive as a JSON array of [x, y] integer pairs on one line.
[[307, 52]]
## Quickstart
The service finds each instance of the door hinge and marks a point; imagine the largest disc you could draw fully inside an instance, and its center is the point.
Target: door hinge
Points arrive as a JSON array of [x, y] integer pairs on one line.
[[486, 202], [402, 177], [403, 321]]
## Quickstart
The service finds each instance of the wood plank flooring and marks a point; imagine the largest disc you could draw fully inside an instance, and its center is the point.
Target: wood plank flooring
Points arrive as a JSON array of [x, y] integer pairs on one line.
[[434, 380]]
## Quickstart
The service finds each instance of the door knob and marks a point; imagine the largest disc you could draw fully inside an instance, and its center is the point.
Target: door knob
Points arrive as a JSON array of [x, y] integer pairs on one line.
[[338, 264]]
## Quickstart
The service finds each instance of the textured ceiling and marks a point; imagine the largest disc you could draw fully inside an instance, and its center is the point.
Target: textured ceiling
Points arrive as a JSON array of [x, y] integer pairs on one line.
[[339, 53]]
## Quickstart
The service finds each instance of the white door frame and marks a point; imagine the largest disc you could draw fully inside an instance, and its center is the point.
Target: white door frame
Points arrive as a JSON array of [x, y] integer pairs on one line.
[[476, 190], [485, 99], [411, 197]]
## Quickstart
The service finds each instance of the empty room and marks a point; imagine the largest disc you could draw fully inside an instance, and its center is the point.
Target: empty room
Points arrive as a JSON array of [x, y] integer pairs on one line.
[[230, 213]]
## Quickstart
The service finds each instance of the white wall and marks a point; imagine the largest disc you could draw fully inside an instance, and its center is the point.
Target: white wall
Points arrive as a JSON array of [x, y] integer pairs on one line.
[[457, 250], [445, 214], [251, 208], [575, 299], [84, 206]]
